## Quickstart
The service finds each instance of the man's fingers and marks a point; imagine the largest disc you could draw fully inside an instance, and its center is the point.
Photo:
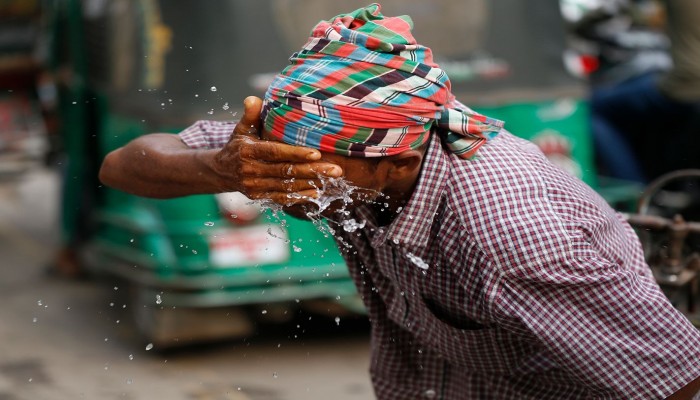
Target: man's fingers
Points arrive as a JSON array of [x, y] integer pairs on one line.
[[249, 124], [286, 185], [282, 152], [301, 171], [286, 199]]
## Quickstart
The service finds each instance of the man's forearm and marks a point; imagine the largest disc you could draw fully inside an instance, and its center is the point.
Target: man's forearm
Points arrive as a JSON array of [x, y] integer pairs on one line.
[[160, 166]]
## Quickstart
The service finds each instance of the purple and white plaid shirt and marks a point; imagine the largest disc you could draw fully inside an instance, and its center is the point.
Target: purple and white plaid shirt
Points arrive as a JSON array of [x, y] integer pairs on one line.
[[506, 278]]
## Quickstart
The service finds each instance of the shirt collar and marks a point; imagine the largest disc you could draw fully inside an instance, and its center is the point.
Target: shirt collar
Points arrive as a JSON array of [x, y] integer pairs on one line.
[[413, 224]]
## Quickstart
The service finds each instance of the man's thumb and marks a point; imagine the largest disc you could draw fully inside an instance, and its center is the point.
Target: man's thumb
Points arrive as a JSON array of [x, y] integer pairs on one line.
[[249, 124]]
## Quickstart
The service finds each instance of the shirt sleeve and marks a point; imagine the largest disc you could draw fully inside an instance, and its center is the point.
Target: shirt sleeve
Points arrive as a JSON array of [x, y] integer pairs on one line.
[[611, 328], [206, 134]]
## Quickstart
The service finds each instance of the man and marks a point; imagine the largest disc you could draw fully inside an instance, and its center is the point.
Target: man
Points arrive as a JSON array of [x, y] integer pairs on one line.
[[486, 271], [645, 98], [630, 50]]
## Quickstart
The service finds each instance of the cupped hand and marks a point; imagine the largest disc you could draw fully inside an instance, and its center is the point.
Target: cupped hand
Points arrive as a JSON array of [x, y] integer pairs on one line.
[[263, 169]]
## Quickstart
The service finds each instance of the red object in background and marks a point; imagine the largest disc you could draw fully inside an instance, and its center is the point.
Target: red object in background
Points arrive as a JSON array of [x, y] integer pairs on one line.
[[581, 65], [589, 63], [237, 208]]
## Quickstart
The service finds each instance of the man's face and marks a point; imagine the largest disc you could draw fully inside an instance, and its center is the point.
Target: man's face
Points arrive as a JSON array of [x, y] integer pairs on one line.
[[358, 185]]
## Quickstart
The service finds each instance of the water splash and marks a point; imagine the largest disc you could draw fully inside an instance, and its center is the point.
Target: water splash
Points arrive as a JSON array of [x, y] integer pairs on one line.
[[418, 261], [350, 225], [334, 195]]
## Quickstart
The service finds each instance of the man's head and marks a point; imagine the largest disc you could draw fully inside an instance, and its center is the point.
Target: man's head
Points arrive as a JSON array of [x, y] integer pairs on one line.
[[366, 94]]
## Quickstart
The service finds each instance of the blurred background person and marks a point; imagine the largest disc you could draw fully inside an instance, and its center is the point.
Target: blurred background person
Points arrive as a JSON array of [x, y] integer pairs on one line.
[[25, 94], [644, 80]]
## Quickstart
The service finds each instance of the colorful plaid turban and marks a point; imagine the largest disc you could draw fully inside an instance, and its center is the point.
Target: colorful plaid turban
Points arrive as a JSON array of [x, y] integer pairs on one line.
[[363, 87]]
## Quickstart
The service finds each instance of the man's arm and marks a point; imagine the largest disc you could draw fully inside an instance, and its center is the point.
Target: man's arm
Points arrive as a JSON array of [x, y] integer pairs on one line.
[[162, 166]]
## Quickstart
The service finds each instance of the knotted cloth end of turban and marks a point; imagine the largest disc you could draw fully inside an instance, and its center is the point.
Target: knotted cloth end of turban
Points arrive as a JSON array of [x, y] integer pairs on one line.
[[363, 87]]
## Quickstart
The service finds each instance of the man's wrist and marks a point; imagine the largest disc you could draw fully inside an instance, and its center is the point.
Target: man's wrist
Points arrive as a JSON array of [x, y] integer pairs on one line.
[[211, 176]]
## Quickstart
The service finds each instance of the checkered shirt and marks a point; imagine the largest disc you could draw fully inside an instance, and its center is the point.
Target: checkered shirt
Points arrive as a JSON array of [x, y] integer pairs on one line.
[[506, 278]]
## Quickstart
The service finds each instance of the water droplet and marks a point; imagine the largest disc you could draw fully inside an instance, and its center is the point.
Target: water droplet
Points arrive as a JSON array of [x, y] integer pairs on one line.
[[430, 394], [131, 240], [263, 312], [30, 379], [418, 261], [35, 319], [131, 356], [194, 251], [75, 102], [211, 112], [129, 381], [39, 303], [350, 225], [209, 223], [116, 288], [225, 107], [213, 89], [296, 248], [337, 321], [158, 299], [149, 346]]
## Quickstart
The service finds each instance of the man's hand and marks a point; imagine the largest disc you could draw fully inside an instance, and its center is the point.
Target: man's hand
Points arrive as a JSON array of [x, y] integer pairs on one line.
[[263, 169]]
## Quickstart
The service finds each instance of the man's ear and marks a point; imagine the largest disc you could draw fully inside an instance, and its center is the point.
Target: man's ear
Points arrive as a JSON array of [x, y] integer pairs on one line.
[[404, 165]]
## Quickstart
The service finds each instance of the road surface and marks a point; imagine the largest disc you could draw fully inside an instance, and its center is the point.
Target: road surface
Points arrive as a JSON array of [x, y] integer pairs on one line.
[[67, 340]]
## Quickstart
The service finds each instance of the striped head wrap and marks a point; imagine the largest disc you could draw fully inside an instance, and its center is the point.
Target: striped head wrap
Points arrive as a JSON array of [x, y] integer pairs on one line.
[[363, 87]]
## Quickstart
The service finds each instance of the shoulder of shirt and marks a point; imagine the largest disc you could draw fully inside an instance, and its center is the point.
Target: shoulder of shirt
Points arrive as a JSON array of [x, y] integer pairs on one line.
[[499, 195]]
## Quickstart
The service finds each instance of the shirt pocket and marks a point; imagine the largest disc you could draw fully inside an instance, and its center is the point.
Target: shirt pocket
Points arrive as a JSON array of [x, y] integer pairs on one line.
[[469, 345]]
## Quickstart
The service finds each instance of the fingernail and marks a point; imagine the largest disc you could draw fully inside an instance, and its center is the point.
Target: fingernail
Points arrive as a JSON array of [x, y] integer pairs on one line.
[[335, 172], [313, 156]]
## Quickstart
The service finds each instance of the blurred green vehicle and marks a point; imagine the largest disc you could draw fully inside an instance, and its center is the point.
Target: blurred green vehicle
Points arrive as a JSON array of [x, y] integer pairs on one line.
[[141, 66], [191, 261]]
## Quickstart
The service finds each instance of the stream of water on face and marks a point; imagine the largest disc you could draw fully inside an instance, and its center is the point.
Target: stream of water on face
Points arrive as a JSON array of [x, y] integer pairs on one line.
[[333, 191]]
